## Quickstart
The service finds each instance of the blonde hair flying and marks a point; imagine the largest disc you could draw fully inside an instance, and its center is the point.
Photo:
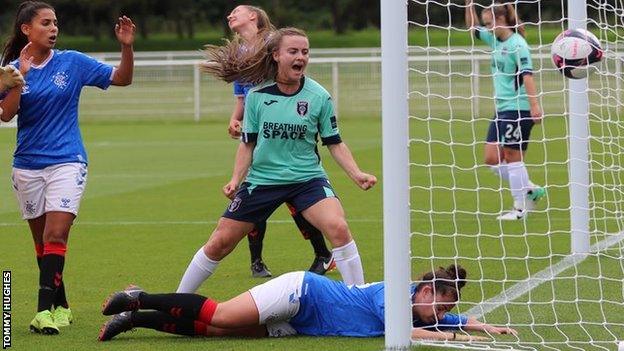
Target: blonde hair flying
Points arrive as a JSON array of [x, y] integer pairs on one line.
[[238, 61]]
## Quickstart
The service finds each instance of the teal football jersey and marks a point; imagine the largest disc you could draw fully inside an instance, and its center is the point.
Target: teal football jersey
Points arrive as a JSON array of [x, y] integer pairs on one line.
[[511, 59], [285, 129]]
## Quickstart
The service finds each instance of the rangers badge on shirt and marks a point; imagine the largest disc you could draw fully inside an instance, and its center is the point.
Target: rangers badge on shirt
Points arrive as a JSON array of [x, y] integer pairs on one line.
[[60, 80]]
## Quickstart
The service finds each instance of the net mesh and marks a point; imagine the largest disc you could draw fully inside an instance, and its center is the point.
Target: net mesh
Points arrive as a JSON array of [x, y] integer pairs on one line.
[[520, 273]]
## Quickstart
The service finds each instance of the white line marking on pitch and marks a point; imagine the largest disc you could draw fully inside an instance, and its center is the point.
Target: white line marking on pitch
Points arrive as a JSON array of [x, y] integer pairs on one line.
[[542, 276]]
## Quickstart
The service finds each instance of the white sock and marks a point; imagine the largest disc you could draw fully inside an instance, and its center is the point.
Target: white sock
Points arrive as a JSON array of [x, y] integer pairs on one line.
[[200, 268], [519, 183], [501, 170], [349, 263]]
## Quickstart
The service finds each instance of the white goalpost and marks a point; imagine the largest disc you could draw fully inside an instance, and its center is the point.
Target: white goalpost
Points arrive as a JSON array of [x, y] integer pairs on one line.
[[556, 275], [396, 214]]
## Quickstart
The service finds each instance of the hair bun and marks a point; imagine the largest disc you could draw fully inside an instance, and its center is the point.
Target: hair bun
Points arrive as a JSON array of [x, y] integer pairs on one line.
[[458, 273]]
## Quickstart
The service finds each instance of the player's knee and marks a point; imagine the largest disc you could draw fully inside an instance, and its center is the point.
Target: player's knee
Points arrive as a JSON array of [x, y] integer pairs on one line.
[[492, 160], [218, 246], [512, 155], [338, 233]]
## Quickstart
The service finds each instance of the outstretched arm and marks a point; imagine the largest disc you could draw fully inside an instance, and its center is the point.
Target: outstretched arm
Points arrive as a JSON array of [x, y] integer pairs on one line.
[[341, 153], [476, 325], [124, 30], [422, 334]]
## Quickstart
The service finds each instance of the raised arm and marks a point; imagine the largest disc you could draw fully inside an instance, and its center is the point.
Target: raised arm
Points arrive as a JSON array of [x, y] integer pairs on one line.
[[124, 30], [10, 104], [341, 153], [471, 16]]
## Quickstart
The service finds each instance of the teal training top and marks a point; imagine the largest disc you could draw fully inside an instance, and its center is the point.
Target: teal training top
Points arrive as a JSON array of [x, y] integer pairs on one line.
[[285, 128], [511, 60]]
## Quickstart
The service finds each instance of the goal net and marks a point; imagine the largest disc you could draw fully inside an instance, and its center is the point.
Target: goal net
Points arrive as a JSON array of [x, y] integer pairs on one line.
[[557, 274]]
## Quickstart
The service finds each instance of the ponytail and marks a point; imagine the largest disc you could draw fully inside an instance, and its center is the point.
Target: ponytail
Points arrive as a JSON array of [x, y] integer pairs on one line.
[[513, 21], [26, 12], [508, 11]]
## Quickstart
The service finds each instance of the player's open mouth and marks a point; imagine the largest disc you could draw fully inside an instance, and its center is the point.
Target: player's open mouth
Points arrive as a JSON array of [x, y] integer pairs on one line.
[[297, 67], [52, 39]]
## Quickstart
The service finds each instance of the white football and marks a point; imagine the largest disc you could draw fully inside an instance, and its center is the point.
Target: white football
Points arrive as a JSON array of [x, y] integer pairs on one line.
[[575, 52]]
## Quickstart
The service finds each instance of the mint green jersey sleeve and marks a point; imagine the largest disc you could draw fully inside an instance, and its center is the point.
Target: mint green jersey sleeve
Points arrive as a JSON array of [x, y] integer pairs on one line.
[[328, 124], [524, 63], [485, 35], [251, 124]]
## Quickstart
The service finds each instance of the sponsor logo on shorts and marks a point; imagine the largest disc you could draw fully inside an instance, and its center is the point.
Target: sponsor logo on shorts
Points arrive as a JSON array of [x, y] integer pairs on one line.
[[65, 202], [235, 204], [30, 207]]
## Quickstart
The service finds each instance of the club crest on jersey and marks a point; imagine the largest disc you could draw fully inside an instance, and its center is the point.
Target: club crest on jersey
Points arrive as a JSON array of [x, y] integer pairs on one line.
[[302, 108], [60, 80]]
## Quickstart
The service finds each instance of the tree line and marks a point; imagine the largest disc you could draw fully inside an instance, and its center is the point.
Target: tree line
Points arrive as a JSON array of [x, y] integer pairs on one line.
[[185, 17]]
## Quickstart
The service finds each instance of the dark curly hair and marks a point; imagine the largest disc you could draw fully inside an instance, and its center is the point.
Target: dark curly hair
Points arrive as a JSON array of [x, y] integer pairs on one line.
[[445, 281]]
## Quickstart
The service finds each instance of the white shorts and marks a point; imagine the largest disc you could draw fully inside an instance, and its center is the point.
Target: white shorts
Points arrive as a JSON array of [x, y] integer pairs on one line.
[[54, 188], [278, 299]]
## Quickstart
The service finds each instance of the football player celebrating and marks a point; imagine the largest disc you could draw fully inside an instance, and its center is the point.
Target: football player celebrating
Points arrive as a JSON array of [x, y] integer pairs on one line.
[[277, 160], [253, 26]]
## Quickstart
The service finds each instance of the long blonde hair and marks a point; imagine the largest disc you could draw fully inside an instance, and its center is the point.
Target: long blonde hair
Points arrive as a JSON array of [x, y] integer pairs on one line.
[[511, 17], [234, 61]]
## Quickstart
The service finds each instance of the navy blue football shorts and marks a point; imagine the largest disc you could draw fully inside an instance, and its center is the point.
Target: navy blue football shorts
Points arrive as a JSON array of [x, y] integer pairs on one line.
[[256, 203], [511, 129]]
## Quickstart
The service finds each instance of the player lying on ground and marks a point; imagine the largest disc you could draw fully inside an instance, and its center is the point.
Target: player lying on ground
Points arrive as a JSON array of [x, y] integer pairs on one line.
[[298, 303]]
